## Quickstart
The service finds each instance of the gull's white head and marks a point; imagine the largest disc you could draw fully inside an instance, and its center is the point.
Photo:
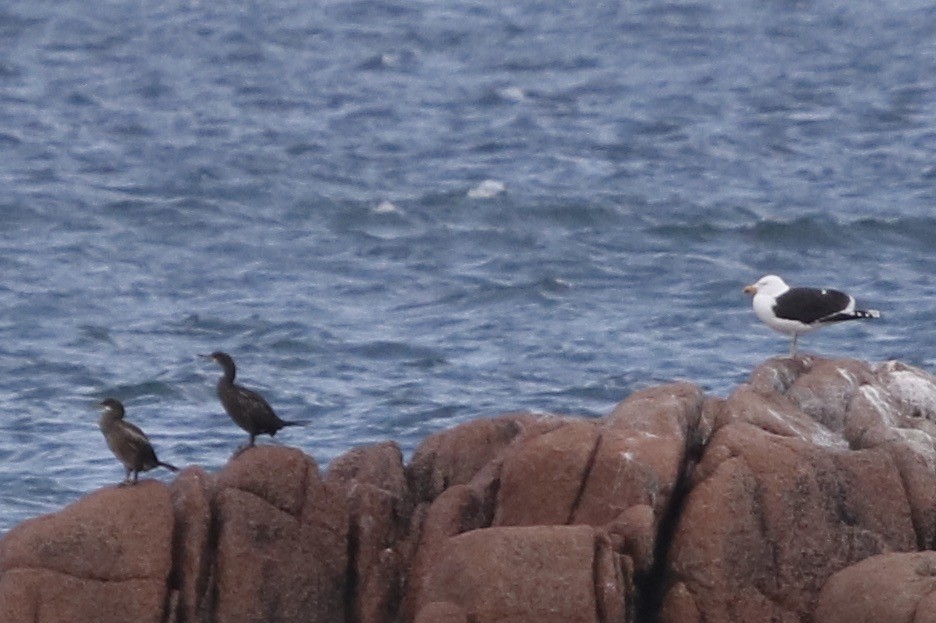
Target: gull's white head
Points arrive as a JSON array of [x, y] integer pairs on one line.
[[771, 285]]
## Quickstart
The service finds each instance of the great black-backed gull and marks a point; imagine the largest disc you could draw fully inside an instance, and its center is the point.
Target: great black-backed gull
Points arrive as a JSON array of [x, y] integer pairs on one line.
[[797, 310]]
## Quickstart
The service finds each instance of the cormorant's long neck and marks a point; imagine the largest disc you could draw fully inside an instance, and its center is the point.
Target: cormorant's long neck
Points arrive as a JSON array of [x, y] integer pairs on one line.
[[109, 420], [229, 372]]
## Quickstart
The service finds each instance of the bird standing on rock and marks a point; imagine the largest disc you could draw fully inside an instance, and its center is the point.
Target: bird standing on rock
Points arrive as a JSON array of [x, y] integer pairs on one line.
[[128, 442], [798, 310], [247, 408]]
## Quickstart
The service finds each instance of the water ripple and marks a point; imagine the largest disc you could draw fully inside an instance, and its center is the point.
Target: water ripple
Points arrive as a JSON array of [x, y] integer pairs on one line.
[[397, 217]]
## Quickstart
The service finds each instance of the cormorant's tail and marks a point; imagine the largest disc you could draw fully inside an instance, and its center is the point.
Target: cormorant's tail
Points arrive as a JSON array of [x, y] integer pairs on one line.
[[858, 314], [295, 422], [171, 468]]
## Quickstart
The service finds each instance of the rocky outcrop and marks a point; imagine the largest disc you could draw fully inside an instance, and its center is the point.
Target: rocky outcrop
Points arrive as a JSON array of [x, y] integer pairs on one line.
[[107, 558], [814, 466], [811, 484], [890, 588], [535, 573], [281, 539]]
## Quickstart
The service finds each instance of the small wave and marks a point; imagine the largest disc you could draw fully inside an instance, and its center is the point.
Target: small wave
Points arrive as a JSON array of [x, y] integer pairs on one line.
[[389, 61], [488, 189], [95, 333], [197, 324], [386, 207], [502, 95], [146, 389], [391, 350], [810, 232], [9, 140], [803, 232]]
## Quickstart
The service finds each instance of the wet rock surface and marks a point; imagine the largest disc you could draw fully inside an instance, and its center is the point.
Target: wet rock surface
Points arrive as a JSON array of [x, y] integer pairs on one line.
[[811, 484]]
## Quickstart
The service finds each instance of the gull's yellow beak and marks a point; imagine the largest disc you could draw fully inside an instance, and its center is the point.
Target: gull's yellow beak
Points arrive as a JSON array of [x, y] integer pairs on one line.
[[751, 289]]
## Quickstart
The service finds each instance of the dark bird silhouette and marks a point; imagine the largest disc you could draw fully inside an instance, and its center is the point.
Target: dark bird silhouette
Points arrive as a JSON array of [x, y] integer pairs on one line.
[[247, 408], [127, 441]]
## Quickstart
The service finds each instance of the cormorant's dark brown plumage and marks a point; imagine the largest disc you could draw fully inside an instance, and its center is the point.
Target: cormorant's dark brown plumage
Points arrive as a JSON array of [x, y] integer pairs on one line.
[[128, 442], [247, 408]]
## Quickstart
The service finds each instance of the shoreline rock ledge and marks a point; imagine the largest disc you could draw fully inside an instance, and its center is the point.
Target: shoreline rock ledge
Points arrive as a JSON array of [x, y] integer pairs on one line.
[[807, 495]]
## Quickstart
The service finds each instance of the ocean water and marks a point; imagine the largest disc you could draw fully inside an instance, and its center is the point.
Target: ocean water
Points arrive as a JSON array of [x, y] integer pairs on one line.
[[399, 216]]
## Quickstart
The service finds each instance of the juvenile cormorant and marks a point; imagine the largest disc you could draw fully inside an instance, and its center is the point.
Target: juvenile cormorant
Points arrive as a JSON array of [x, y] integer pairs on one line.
[[247, 408], [127, 441]]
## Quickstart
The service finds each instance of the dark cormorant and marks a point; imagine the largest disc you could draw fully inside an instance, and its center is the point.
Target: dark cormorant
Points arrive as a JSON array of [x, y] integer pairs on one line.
[[127, 441], [247, 408]]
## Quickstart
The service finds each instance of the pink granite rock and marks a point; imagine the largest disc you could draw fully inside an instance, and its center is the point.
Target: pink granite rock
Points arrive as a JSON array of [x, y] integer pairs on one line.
[[457, 510], [605, 472], [646, 445], [454, 456], [890, 588], [105, 558], [282, 540], [537, 574], [380, 507], [442, 612], [192, 555], [780, 502], [379, 465], [542, 479]]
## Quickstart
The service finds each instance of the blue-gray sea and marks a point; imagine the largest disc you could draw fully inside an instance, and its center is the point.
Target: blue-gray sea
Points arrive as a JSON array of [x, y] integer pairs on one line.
[[399, 216]]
